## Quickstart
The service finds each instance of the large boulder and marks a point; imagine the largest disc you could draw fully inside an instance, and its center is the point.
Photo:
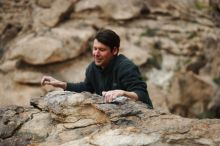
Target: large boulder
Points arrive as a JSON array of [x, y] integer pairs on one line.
[[50, 13], [67, 118], [115, 9], [162, 37], [57, 45], [191, 94]]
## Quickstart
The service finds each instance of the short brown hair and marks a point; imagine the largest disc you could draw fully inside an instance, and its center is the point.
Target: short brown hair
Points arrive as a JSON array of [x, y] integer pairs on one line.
[[108, 37]]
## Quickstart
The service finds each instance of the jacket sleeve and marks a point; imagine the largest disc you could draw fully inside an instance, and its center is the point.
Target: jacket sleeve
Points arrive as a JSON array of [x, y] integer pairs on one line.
[[82, 86], [131, 80]]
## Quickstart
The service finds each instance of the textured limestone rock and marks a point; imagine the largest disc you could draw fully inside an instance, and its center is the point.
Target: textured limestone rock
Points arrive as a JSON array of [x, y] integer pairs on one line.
[[57, 45], [191, 91], [117, 10], [27, 77], [68, 118], [51, 17], [18, 94], [53, 37], [44, 3]]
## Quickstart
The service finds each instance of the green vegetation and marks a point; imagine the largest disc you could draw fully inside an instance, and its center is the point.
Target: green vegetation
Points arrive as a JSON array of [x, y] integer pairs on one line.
[[150, 32], [206, 114], [192, 35], [145, 78], [217, 80], [155, 61], [200, 5], [157, 45], [89, 46]]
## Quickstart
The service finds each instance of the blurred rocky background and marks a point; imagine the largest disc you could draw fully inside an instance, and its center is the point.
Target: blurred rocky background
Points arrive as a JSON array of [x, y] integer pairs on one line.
[[176, 44]]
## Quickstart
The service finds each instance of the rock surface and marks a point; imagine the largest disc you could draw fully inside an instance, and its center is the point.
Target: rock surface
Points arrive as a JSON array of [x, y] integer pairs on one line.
[[68, 118], [168, 40]]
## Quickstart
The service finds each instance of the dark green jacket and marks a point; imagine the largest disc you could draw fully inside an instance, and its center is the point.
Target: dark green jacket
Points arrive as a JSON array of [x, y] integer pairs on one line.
[[121, 73]]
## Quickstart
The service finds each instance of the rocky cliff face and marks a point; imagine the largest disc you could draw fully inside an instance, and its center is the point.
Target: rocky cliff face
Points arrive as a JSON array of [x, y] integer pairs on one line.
[[175, 43], [67, 119]]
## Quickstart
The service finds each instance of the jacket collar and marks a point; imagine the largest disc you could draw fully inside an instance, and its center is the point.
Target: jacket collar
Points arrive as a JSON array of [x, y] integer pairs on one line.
[[109, 67]]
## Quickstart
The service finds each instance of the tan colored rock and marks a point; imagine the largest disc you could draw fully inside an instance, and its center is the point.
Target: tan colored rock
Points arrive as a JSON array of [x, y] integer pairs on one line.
[[75, 40], [40, 126], [125, 136], [167, 44], [12, 93], [118, 9], [27, 77], [173, 28], [158, 97], [129, 123], [44, 3], [8, 66], [15, 18], [84, 5], [115, 9], [52, 16], [163, 71], [138, 55], [59, 45], [38, 50], [191, 94], [74, 71]]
